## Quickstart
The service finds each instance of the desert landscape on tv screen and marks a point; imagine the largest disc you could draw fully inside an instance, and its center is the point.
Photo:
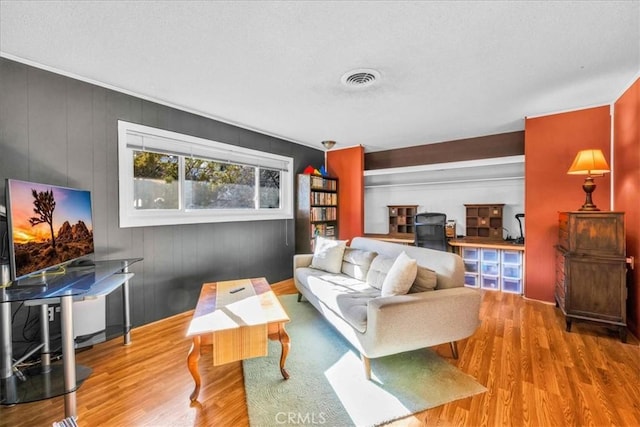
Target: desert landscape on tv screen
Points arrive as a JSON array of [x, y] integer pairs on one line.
[[50, 225]]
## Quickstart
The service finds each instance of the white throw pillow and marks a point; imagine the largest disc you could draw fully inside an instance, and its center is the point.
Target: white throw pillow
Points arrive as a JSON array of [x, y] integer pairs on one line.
[[356, 262], [378, 270], [328, 254], [400, 277]]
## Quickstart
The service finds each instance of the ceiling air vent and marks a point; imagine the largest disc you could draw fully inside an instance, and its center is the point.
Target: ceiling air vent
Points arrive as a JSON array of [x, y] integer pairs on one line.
[[360, 78]]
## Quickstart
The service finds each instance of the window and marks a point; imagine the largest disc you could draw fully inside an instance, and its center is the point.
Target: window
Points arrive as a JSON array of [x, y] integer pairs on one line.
[[170, 178]]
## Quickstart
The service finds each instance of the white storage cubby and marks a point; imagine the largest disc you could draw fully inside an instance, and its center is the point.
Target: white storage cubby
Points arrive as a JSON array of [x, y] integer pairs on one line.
[[493, 269], [490, 267], [471, 259], [512, 271]]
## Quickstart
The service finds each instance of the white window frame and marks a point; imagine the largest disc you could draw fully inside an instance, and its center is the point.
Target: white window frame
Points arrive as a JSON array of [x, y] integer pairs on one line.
[[131, 135]]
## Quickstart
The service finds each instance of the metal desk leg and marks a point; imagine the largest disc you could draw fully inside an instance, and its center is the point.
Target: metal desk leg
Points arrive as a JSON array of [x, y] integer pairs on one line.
[[7, 379], [5, 344], [125, 307], [68, 355], [45, 355]]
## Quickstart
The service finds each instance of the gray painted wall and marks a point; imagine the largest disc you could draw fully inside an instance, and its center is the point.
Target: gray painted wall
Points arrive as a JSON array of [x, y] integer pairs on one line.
[[58, 130]]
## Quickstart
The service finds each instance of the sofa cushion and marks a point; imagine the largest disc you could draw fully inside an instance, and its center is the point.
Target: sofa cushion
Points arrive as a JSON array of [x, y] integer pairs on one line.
[[356, 263], [328, 254], [426, 280], [378, 270], [345, 296], [400, 277]]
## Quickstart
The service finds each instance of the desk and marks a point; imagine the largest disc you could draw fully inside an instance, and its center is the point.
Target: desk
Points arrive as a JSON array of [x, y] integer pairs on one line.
[[236, 317], [471, 242], [403, 239], [74, 284]]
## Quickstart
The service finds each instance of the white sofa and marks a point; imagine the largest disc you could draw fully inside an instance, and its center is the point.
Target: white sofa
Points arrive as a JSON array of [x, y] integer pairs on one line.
[[383, 325]]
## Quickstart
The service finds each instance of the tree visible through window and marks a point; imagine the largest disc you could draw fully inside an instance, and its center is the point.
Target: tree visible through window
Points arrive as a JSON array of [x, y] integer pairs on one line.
[[269, 188], [155, 181], [214, 185], [171, 178]]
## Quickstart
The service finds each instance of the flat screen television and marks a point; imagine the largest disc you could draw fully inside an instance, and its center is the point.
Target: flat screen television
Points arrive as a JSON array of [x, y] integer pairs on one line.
[[49, 226]]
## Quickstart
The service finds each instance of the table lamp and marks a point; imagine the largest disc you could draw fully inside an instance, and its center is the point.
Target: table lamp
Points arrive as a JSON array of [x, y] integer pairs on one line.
[[591, 163]]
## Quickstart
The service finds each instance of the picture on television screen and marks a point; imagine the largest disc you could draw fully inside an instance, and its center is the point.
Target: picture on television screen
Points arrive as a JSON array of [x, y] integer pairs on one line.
[[48, 225]]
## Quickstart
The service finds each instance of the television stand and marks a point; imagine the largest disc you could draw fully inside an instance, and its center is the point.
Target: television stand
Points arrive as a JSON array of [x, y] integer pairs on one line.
[[74, 285]]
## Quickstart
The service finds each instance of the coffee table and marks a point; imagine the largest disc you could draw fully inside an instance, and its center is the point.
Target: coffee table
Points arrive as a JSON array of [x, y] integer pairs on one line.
[[237, 317]]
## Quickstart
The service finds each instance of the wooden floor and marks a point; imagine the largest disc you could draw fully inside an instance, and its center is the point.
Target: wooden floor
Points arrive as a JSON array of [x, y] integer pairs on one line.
[[537, 375]]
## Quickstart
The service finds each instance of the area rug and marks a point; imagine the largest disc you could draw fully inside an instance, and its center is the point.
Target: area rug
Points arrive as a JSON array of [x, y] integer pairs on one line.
[[327, 385]]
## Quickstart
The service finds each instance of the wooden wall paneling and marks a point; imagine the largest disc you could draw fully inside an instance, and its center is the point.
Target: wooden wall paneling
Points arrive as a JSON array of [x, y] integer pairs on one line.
[[99, 169], [14, 124], [223, 245], [277, 235], [166, 273], [253, 141], [626, 182], [483, 147], [47, 128], [79, 135], [189, 252], [119, 240], [149, 114], [223, 132], [148, 309], [551, 143], [118, 107]]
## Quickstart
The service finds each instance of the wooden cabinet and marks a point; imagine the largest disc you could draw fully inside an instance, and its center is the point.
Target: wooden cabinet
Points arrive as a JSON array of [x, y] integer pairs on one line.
[[484, 220], [401, 219], [591, 268], [316, 210]]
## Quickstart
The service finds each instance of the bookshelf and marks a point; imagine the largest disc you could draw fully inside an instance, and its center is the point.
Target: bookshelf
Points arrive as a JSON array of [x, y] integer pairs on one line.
[[484, 220], [316, 210], [401, 219]]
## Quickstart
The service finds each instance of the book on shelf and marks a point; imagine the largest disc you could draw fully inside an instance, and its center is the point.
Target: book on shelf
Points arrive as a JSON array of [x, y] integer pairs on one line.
[[324, 199], [324, 230], [321, 183], [323, 214]]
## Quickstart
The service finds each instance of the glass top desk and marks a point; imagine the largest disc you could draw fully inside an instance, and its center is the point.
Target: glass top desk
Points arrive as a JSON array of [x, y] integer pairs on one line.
[[64, 287]]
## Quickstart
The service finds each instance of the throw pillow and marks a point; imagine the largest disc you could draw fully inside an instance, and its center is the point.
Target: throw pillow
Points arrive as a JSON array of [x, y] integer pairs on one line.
[[356, 262], [378, 270], [328, 254], [400, 277], [426, 280]]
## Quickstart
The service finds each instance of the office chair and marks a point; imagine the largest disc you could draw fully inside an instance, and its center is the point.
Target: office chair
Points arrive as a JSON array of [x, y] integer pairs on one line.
[[429, 231]]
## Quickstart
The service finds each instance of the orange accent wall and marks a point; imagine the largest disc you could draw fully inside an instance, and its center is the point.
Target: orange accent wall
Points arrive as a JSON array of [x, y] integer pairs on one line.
[[550, 145], [626, 184], [347, 165]]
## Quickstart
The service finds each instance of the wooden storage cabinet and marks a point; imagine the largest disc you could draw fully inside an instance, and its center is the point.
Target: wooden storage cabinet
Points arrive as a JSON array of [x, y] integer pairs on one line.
[[484, 220], [591, 268], [401, 219], [316, 210]]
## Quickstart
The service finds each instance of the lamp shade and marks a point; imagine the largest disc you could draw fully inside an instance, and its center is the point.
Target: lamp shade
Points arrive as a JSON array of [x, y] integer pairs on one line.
[[589, 162]]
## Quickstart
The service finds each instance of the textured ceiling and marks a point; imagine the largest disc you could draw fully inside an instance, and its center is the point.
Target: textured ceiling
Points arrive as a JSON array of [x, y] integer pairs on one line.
[[448, 70]]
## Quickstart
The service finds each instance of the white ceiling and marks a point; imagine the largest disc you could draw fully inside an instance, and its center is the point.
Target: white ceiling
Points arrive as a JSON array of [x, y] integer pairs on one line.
[[449, 70]]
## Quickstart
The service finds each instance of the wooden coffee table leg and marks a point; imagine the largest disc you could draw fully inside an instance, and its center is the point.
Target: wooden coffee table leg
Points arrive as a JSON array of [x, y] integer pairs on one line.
[[285, 341], [192, 363]]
